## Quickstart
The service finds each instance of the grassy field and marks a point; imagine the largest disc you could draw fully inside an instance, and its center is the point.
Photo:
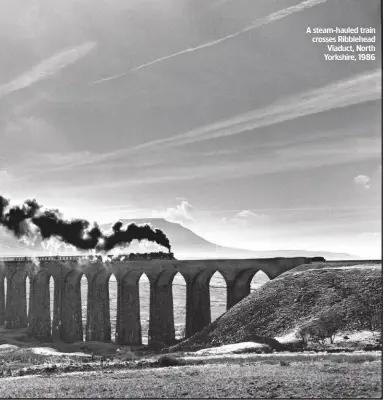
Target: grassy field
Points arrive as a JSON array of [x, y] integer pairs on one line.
[[269, 378]]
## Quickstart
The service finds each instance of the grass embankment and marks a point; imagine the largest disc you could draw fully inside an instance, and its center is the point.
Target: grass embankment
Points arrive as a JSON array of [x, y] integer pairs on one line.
[[264, 379], [294, 299]]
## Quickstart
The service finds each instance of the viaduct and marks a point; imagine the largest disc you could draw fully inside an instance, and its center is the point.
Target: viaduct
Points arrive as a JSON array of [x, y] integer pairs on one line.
[[68, 271]]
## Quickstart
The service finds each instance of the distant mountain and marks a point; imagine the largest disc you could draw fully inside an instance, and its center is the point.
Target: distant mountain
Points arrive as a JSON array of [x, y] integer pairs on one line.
[[188, 245], [184, 243]]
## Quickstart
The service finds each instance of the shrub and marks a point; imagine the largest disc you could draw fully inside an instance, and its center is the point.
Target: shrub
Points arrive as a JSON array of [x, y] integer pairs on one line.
[[369, 311], [329, 325], [169, 361], [312, 332], [303, 334], [325, 327]]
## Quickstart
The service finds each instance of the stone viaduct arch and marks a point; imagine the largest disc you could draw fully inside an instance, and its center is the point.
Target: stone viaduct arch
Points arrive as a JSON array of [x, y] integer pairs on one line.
[[67, 313]]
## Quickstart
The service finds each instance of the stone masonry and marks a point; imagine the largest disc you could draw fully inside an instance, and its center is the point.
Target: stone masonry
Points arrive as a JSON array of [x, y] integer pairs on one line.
[[68, 271]]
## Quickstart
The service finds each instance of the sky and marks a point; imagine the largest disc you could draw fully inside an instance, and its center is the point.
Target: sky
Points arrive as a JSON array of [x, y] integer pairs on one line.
[[221, 115]]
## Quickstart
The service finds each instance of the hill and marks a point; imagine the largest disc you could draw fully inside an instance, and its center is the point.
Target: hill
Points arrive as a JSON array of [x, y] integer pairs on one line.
[[295, 298], [185, 244]]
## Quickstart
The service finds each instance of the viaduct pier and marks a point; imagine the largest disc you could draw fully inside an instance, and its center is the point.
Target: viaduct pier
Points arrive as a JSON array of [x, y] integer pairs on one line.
[[66, 324]]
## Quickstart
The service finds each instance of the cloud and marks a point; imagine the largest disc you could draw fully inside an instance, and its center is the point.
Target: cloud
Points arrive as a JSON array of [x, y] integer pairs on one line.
[[358, 89], [254, 25], [218, 3], [353, 90], [47, 68], [30, 131], [362, 180], [370, 235], [245, 217], [182, 213], [59, 159], [296, 157], [247, 214]]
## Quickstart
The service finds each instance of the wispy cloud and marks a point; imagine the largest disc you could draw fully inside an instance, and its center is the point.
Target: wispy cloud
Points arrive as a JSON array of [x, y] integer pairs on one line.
[[245, 217], [358, 89], [294, 158], [60, 159], [298, 209], [218, 3], [47, 68], [254, 25], [354, 90], [370, 235]]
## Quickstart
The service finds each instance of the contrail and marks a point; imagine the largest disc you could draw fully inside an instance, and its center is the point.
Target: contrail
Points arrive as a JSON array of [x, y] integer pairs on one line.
[[47, 68], [254, 25], [354, 90]]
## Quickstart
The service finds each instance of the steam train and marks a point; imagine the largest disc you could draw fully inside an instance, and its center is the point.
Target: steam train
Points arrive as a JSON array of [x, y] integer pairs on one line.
[[109, 257]]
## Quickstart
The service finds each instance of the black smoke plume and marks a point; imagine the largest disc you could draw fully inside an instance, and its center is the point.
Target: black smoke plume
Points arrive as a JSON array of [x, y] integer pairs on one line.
[[77, 232], [132, 232]]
